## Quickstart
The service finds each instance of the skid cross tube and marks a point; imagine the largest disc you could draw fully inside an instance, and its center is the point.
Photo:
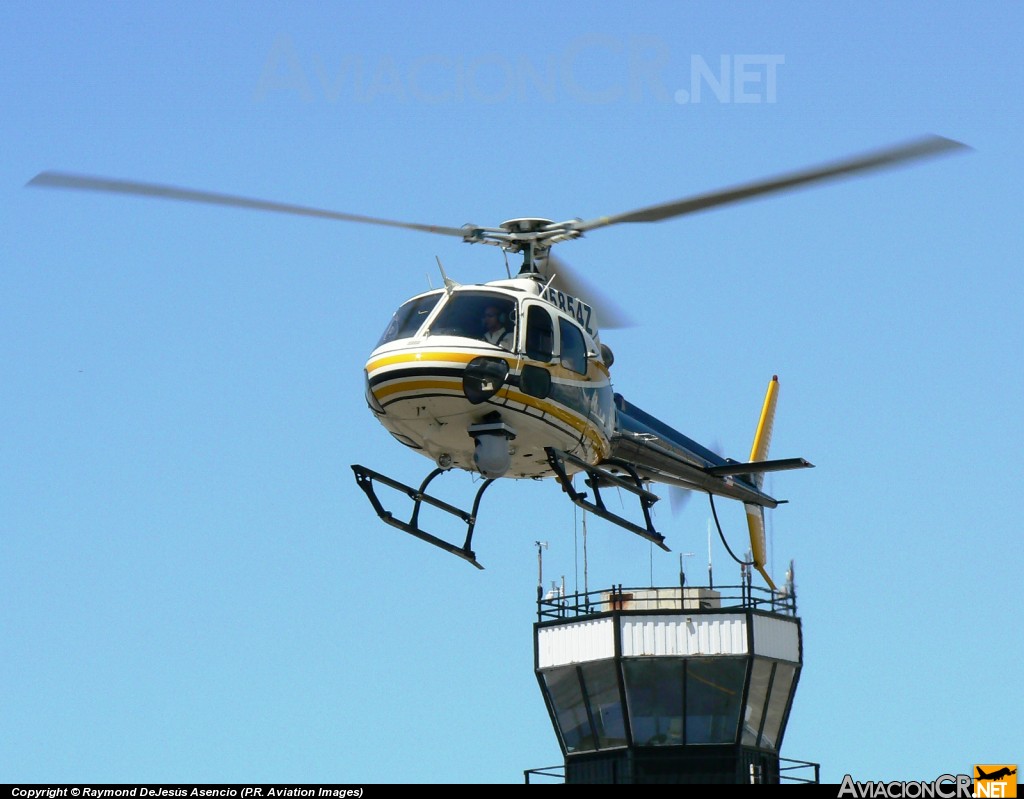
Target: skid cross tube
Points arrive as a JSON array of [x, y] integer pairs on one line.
[[601, 477], [365, 478]]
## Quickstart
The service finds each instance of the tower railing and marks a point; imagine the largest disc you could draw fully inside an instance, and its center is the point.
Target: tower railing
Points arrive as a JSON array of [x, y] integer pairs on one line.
[[556, 606], [790, 772]]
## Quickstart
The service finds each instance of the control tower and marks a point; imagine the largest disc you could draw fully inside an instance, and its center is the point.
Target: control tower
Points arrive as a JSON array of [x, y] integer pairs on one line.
[[671, 685]]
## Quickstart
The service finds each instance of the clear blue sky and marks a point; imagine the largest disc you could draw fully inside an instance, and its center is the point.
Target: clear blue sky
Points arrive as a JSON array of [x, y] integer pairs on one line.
[[191, 585]]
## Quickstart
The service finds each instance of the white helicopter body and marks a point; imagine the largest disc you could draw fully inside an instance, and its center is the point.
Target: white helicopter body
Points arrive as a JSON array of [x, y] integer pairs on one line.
[[415, 380]]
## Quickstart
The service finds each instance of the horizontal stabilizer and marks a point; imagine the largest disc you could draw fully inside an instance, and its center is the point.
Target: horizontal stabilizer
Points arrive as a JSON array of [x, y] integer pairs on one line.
[[778, 465]]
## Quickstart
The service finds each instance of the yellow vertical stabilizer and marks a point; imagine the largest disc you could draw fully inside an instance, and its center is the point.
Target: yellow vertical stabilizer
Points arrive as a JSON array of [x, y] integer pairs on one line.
[[763, 434], [755, 523], [759, 452]]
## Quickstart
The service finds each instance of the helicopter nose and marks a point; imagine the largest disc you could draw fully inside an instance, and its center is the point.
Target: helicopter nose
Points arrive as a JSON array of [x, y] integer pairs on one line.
[[371, 398]]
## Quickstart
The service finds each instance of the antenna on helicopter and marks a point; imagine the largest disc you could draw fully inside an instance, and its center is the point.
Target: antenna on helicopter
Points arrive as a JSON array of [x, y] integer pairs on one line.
[[449, 284]]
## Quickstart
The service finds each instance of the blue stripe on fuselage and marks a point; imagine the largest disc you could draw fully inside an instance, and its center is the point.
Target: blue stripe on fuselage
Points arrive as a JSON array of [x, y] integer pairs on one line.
[[631, 419]]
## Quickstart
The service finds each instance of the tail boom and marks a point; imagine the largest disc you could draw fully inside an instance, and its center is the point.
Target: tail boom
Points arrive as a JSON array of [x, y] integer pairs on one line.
[[662, 454]]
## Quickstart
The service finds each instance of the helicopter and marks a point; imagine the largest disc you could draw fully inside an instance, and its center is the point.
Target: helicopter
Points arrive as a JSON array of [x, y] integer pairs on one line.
[[510, 378]]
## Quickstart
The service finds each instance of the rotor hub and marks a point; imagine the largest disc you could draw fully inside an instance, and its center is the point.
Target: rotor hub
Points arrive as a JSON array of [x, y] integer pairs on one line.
[[526, 224]]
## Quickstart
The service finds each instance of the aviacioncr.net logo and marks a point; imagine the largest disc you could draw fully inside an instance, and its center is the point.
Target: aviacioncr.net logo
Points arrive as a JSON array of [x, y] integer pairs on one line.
[[995, 780], [945, 786]]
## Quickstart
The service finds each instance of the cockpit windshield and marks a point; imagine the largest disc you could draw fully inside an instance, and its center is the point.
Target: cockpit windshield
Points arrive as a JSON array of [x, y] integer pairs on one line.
[[480, 315], [410, 318]]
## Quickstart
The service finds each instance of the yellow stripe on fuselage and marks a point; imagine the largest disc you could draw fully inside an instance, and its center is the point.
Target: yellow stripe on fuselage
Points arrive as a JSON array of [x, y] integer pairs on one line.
[[431, 355], [405, 384], [416, 384], [412, 384], [595, 370]]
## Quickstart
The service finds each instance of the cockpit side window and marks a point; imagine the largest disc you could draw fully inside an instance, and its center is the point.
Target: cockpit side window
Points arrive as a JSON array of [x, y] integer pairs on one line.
[[574, 349], [540, 334], [480, 315], [409, 318]]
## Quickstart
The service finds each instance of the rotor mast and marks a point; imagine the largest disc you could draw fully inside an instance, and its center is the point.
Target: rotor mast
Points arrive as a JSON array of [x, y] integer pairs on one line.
[[525, 238]]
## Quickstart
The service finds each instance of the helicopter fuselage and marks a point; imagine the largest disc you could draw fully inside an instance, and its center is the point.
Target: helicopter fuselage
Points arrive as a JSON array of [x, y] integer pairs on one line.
[[547, 386], [506, 379]]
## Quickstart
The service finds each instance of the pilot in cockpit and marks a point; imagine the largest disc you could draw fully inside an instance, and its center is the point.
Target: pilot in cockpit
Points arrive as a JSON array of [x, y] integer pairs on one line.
[[495, 331]]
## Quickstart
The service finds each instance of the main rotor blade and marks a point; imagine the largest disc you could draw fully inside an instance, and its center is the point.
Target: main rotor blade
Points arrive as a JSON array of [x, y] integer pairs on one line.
[[64, 180], [879, 159], [609, 313]]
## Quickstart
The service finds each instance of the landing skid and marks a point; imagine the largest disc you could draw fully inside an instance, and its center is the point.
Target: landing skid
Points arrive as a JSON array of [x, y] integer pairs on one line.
[[365, 478], [599, 477]]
